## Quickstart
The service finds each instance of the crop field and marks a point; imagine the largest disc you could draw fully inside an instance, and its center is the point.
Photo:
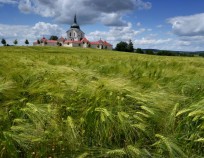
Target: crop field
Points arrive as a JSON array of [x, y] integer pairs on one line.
[[85, 103]]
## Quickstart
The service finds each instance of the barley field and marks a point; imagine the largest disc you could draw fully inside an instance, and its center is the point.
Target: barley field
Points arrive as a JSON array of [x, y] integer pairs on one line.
[[85, 103]]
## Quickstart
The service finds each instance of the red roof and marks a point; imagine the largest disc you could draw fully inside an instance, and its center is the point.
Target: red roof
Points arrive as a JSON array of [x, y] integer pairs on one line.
[[107, 44], [95, 43], [61, 39], [84, 40], [43, 39], [100, 42]]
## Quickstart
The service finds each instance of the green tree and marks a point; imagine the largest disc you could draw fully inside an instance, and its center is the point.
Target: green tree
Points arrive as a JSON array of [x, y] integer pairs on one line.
[[3, 41], [122, 46], [53, 37], [38, 41], [26, 42], [149, 51], [166, 53], [15, 42], [139, 50], [130, 47]]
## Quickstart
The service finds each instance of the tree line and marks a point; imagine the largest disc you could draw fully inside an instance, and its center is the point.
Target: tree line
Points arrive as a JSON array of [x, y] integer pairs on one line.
[[129, 47], [15, 42]]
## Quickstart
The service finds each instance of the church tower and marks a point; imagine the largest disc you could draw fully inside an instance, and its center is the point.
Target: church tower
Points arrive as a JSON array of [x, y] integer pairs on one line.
[[75, 33]]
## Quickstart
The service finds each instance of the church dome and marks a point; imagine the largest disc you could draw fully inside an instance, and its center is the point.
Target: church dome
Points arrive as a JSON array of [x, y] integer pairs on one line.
[[75, 25]]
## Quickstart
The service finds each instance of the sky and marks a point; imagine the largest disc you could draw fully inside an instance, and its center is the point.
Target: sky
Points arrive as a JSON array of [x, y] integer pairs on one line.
[[156, 24]]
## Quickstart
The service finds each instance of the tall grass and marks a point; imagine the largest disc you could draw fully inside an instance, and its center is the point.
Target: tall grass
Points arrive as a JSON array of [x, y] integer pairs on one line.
[[70, 102]]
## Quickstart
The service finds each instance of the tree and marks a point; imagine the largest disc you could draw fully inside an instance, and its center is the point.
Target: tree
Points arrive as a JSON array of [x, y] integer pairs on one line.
[[53, 37], [166, 53], [15, 42], [26, 42], [130, 47], [59, 44], [149, 51], [139, 50], [3, 41], [38, 41], [122, 46]]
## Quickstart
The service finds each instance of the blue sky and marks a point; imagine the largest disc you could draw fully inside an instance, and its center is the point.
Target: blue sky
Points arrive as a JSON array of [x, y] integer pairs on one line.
[[158, 24]]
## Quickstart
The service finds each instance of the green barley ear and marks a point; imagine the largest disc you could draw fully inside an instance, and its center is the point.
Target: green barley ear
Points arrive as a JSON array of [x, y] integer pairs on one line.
[[165, 144]]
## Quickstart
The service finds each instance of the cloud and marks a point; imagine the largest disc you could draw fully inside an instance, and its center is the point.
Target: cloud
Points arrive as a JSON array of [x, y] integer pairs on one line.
[[107, 12], [149, 41], [192, 25], [138, 24], [116, 34], [22, 32], [8, 2], [159, 26]]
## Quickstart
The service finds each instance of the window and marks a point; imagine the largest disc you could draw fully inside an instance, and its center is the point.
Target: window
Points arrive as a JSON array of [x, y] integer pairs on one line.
[[70, 34]]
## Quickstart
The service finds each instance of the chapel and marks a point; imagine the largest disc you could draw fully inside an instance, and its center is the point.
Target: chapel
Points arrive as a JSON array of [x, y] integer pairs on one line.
[[75, 38]]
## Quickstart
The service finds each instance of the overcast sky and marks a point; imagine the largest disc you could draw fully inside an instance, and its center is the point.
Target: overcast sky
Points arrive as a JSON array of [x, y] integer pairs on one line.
[[159, 24]]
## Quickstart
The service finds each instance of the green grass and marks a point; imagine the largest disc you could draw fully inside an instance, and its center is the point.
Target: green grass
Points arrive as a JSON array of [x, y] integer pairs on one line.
[[83, 103]]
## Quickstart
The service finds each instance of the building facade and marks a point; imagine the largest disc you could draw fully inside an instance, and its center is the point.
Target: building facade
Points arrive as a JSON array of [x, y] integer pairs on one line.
[[75, 38], [75, 33]]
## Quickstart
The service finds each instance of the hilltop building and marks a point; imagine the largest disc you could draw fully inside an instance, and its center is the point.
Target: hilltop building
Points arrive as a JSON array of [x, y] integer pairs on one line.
[[75, 38]]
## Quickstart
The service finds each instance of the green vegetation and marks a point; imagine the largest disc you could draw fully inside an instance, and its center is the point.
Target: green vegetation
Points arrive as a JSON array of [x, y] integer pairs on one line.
[[15, 42], [72, 102], [125, 47]]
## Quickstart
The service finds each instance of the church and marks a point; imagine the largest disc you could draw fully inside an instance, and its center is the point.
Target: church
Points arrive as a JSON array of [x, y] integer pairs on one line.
[[75, 38]]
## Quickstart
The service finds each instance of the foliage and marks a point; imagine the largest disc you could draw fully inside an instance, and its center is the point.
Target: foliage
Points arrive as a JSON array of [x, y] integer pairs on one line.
[[121, 46], [149, 51], [15, 42], [3, 41], [201, 54], [166, 53], [53, 37], [26, 42], [72, 102], [130, 47], [125, 47], [38, 41], [139, 50]]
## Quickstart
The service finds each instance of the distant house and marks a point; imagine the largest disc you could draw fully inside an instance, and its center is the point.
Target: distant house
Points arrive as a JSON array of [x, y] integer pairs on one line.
[[75, 38]]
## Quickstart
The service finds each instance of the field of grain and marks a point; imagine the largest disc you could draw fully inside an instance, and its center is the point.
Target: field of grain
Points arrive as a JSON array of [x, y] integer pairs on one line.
[[83, 103]]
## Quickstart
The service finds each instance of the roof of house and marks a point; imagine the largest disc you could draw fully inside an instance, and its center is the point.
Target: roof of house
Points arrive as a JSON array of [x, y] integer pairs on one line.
[[107, 44], [61, 39], [100, 42], [84, 40]]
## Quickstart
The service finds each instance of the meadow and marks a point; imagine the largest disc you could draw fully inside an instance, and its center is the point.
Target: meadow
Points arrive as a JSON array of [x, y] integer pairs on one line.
[[60, 102]]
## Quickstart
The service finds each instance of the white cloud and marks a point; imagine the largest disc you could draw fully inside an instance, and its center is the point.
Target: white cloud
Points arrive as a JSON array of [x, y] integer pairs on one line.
[[140, 37], [107, 12], [22, 32], [116, 34], [151, 42], [192, 25], [138, 24], [159, 26], [8, 1]]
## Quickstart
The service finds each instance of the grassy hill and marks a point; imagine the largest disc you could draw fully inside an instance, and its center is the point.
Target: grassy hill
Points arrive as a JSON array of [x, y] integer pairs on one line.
[[72, 102]]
